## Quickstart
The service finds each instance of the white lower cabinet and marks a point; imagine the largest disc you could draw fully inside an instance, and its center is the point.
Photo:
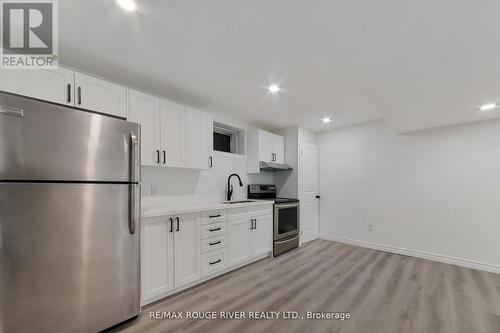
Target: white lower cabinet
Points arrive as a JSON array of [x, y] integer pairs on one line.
[[169, 254], [262, 237], [250, 234], [186, 249], [213, 262], [181, 250], [239, 241], [157, 258]]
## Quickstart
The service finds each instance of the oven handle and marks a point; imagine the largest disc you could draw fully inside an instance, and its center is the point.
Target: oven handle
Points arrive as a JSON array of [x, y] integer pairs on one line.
[[279, 206], [287, 240]]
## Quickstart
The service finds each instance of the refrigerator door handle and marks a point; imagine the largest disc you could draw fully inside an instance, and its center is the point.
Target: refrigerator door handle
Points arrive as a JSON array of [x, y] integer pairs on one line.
[[132, 225], [134, 144], [133, 187]]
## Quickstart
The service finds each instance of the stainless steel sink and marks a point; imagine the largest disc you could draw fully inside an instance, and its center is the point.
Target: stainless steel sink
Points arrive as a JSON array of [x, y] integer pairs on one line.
[[237, 202]]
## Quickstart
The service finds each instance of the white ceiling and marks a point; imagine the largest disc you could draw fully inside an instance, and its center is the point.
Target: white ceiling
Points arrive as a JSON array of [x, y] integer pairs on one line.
[[419, 64]]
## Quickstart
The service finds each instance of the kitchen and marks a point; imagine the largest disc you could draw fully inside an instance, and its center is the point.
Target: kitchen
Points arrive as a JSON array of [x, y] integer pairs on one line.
[[224, 181]]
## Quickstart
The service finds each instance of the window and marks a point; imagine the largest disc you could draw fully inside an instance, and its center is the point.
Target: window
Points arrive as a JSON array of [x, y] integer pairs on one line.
[[228, 139], [222, 142]]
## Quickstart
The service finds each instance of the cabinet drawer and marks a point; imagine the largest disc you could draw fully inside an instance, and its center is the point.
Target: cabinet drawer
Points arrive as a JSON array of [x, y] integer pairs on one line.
[[213, 243], [214, 216], [213, 229], [249, 212], [213, 262]]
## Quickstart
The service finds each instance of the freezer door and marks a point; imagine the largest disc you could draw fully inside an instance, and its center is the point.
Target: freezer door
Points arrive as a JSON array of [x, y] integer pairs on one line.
[[43, 141], [68, 261]]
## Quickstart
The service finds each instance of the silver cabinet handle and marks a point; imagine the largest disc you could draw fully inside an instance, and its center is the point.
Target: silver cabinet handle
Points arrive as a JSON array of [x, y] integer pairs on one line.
[[255, 224], [178, 225], [171, 225]]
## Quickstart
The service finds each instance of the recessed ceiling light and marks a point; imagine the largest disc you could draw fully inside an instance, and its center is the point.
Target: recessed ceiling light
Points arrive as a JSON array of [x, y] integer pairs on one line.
[[488, 107], [327, 120], [128, 5], [273, 89]]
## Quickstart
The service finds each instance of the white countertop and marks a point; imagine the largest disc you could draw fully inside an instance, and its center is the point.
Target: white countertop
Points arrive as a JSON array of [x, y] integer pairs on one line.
[[154, 207]]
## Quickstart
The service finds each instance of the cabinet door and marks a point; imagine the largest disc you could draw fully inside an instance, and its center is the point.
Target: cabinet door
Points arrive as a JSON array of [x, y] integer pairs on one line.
[[266, 146], [53, 85], [173, 133], [198, 139], [101, 96], [279, 149], [157, 259], [262, 235], [145, 110], [239, 241], [187, 249]]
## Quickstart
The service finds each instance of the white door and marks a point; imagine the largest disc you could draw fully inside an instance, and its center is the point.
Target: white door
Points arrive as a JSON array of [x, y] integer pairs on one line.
[[186, 249], [239, 241], [100, 96], [279, 149], [173, 134], [157, 259], [266, 146], [198, 129], [145, 110], [308, 187], [262, 235], [53, 85]]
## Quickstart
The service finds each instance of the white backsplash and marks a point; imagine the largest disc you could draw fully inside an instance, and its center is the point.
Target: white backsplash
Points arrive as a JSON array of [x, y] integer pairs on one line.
[[206, 185]]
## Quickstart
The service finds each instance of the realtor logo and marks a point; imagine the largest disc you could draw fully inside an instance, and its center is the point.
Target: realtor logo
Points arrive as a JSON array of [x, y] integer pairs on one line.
[[29, 34]]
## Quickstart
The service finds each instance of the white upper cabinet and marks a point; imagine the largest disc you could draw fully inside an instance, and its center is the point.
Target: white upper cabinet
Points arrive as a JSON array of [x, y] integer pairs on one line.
[[173, 134], [279, 149], [271, 147], [100, 96], [54, 85], [263, 146], [266, 146], [198, 138], [145, 110]]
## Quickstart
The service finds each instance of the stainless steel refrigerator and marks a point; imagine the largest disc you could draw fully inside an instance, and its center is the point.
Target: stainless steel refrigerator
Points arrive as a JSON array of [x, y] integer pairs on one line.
[[69, 218]]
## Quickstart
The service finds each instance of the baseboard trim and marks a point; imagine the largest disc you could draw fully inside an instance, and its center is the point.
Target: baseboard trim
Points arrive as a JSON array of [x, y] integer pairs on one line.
[[418, 254]]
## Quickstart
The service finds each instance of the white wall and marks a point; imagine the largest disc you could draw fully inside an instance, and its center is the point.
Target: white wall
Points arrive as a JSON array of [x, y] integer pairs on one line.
[[207, 185], [436, 191]]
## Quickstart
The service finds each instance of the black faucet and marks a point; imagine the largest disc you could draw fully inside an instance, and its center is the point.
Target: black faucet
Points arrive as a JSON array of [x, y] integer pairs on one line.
[[230, 187]]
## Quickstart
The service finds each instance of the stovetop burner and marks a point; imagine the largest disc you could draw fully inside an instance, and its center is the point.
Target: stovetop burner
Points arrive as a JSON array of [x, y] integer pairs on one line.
[[267, 192]]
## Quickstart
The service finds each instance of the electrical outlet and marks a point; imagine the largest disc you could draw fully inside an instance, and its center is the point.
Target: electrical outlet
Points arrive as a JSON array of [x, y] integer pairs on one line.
[[370, 227], [154, 190]]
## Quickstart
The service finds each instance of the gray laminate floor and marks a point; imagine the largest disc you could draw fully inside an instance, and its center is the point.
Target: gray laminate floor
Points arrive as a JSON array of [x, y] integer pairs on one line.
[[383, 292]]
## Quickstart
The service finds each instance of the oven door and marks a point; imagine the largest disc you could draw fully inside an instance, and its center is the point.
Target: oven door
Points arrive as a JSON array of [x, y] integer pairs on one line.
[[286, 220]]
